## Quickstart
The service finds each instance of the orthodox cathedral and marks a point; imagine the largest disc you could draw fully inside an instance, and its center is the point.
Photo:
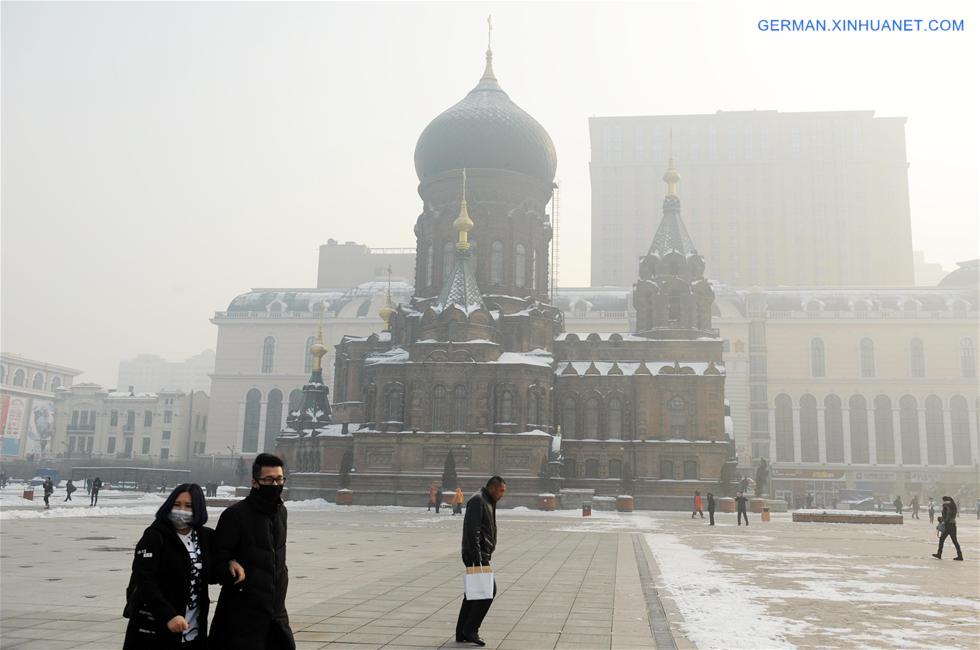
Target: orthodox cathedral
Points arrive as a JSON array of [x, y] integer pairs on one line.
[[475, 367]]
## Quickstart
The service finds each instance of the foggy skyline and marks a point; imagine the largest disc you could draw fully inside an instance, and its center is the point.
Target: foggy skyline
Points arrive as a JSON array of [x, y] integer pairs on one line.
[[160, 159]]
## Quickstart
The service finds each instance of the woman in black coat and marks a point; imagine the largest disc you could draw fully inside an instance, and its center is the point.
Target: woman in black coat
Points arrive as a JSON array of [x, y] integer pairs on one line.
[[167, 598]]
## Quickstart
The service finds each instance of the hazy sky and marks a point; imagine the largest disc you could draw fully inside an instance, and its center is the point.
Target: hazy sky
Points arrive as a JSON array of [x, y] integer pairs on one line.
[[159, 159]]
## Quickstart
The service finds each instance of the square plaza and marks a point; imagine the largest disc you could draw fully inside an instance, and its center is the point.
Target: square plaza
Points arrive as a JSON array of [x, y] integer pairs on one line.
[[390, 577]]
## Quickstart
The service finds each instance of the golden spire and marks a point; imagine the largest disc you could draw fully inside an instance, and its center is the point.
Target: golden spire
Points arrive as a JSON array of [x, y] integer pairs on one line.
[[388, 310], [463, 224], [671, 177], [488, 70], [318, 349]]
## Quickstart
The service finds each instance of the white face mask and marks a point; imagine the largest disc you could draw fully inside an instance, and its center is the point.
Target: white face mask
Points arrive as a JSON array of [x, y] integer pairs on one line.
[[181, 518]]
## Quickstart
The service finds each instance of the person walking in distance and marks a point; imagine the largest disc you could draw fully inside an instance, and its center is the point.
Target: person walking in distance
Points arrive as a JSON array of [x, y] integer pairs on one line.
[[711, 509], [69, 488], [48, 487], [434, 498], [932, 509], [251, 539], [479, 542], [898, 505], [458, 501], [948, 524], [96, 486], [741, 502], [698, 509], [915, 507]]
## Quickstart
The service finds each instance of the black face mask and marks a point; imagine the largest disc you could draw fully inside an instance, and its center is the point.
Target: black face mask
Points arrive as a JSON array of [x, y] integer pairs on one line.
[[268, 493]]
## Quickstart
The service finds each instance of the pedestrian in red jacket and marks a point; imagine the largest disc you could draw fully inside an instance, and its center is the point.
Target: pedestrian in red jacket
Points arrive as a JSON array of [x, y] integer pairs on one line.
[[698, 510]]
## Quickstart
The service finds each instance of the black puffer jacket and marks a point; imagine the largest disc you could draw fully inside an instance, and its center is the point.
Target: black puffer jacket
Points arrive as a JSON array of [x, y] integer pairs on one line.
[[160, 587], [949, 513], [479, 529], [252, 532]]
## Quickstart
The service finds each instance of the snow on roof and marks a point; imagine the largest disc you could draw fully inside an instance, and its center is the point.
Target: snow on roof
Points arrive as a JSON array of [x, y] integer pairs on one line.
[[537, 357], [630, 367], [394, 355]]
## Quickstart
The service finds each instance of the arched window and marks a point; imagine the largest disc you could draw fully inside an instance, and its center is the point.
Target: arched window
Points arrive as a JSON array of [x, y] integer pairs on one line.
[[833, 423], [250, 433], [268, 354], [520, 265], [568, 424], [295, 400], [615, 468], [968, 358], [784, 428], [496, 263], [3, 374], [428, 265], [917, 358], [884, 431], [447, 261], [959, 422], [20, 377], [308, 364], [908, 425], [505, 407], [55, 383], [674, 305], [534, 268], [570, 468], [273, 418], [860, 452], [534, 408], [614, 417], [867, 358], [394, 403], [38, 383], [690, 469], [678, 416], [592, 468], [459, 408], [440, 409], [817, 360], [591, 418], [371, 403], [667, 469], [935, 431], [809, 443]]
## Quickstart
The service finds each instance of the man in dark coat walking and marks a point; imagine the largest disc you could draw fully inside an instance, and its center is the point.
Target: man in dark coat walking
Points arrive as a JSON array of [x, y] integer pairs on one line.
[[48, 487], [96, 486], [949, 529], [251, 536], [742, 501], [479, 542], [711, 509]]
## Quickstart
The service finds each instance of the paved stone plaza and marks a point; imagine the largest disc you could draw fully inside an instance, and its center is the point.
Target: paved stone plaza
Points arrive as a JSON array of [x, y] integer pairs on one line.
[[390, 577]]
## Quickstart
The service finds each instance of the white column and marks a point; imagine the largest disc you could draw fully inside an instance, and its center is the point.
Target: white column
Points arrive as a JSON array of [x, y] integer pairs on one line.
[[948, 435], [240, 431], [974, 442], [846, 424], [923, 449], [263, 408], [872, 438], [797, 442], [897, 435], [772, 434], [821, 435]]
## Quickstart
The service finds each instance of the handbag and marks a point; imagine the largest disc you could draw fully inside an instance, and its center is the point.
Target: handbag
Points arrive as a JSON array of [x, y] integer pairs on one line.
[[478, 582]]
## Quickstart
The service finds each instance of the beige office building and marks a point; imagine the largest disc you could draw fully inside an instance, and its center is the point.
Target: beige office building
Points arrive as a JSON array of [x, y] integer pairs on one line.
[[770, 198]]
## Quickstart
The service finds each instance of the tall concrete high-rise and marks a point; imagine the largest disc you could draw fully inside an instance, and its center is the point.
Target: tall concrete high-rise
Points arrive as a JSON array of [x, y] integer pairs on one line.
[[772, 198]]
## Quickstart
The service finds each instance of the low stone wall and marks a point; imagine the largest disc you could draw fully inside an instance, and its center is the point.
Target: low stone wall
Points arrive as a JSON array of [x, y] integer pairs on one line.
[[846, 517]]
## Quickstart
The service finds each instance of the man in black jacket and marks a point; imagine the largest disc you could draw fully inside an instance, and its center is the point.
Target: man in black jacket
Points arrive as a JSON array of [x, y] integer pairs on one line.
[[479, 541], [711, 509], [251, 536], [949, 529]]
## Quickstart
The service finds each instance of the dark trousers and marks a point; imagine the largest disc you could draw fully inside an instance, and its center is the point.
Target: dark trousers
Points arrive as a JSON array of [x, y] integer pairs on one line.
[[279, 638], [742, 513], [950, 532], [95, 498], [46, 497], [711, 517], [68, 498], [471, 615], [697, 511]]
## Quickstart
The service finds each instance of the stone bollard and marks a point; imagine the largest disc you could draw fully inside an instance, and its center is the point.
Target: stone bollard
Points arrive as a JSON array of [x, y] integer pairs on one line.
[[345, 497], [29, 494], [624, 503], [756, 505], [546, 502], [726, 504], [587, 509]]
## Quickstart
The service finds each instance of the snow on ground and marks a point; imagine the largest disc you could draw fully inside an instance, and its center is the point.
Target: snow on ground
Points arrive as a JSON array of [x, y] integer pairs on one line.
[[112, 503]]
